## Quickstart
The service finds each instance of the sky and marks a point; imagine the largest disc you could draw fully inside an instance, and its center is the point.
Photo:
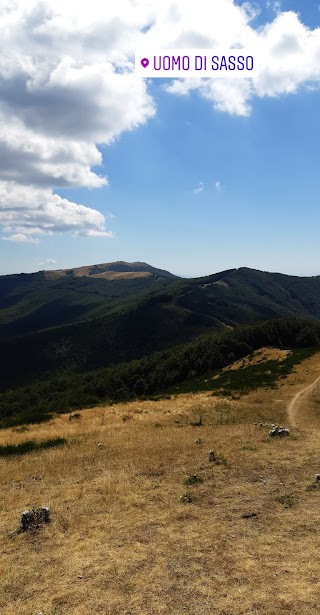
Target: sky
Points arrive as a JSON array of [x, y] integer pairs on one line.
[[190, 175]]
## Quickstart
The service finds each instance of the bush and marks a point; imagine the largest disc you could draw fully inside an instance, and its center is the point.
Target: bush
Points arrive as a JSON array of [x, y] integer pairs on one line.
[[187, 498], [193, 479], [29, 446], [287, 500]]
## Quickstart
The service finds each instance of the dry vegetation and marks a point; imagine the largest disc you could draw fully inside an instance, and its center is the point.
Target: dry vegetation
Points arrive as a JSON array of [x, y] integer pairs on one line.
[[260, 356], [121, 542], [87, 272]]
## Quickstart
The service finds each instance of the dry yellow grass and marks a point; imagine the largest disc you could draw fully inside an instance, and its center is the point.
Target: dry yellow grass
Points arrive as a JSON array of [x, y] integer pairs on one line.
[[107, 275], [121, 542], [125, 275], [258, 356]]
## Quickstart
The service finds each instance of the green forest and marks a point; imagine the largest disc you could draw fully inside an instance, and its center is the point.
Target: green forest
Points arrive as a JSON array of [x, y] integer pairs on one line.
[[70, 341], [183, 368]]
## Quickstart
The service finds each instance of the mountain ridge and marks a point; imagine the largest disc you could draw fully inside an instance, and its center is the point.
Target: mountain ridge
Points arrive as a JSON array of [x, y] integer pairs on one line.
[[97, 269], [141, 266], [84, 322]]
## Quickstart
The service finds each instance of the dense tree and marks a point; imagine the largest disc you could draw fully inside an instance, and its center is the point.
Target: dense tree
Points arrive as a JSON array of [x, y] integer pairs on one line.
[[154, 374]]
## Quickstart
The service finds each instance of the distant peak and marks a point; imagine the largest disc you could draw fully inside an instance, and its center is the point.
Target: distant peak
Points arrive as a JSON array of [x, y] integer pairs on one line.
[[112, 271]]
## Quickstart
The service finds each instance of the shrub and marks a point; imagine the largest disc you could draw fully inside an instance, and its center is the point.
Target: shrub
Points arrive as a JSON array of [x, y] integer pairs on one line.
[[220, 461], [187, 498], [287, 500], [30, 446], [193, 479], [315, 486]]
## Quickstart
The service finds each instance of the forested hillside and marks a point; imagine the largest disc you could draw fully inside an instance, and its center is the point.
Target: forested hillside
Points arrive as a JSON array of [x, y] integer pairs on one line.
[[75, 321], [188, 367]]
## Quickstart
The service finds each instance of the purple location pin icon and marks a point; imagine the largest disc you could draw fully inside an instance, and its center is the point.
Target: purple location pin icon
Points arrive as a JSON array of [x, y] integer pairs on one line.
[[145, 62]]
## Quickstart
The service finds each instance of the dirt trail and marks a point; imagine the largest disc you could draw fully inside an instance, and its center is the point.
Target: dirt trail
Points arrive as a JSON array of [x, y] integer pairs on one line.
[[296, 402]]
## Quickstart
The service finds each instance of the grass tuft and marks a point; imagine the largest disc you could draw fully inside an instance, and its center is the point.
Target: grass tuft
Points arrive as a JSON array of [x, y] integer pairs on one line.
[[315, 486], [197, 423], [193, 479], [187, 498], [287, 500]]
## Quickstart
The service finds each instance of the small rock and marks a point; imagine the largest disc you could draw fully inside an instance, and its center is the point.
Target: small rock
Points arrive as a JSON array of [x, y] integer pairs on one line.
[[317, 478], [34, 518], [279, 431], [212, 456]]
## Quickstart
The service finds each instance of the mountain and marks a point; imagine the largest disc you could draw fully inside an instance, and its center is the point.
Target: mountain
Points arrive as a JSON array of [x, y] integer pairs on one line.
[[112, 271], [80, 320], [31, 302]]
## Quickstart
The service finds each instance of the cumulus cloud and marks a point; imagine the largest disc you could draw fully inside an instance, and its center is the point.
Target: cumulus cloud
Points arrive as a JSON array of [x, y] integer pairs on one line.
[[288, 50], [34, 210], [218, 185], [67, 86], [48, 261], [199, 188], [21, 238]]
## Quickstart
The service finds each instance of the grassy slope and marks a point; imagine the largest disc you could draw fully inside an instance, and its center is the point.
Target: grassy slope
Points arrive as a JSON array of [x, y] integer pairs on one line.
[[121, 541]]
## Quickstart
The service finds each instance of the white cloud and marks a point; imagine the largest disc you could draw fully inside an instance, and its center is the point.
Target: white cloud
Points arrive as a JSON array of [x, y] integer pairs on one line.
[[93, 233], [218, 185], [229, 95], [289, 50], [34, 210], [21, 238], [275, 5], [48, 261], [67, 86], [199, 188]]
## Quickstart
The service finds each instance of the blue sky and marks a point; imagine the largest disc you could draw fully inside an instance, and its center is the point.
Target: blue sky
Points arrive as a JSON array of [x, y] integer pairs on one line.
[[195, 189]]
